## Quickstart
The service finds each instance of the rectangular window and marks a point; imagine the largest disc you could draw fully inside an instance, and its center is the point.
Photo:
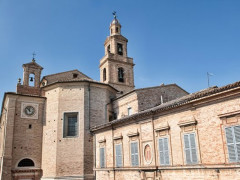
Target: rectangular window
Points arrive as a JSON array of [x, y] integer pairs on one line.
[[118, 156], [70, 128], [129, 111], [134, 154], [190, 148], [102, 157], [163, 151], [233, 143]]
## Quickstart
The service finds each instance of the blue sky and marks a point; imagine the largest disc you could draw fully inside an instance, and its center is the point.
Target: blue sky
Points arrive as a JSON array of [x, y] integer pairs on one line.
[[171, 41]]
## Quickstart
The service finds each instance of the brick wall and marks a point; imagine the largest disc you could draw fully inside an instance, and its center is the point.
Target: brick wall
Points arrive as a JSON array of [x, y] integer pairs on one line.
[[21, 142], [145, 98], [21, 89], [72, 156], [206, 118]]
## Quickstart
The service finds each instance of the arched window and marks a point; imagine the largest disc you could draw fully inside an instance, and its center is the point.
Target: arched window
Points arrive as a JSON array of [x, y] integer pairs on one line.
[[31, 80], [120, 74], [108, 48], [120, 49], [104, 74], [117, 29], [26, 163]]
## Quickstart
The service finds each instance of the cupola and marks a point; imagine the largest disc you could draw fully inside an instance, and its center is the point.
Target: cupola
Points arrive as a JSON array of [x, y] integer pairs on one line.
[[115, 26]]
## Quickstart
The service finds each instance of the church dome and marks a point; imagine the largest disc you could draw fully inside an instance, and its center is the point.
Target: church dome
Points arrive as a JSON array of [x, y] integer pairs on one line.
[[115, 21]]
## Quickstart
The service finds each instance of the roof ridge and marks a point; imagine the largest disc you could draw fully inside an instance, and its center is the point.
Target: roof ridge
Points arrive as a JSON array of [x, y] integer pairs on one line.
[[152, 87], [66, 72]]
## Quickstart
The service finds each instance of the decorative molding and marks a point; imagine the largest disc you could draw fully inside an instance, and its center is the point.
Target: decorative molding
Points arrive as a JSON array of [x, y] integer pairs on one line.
[[26, 170], [162, 128], [225, 115], [133, 134], [102, 140], [117, 137], [24, 115], [144, 155], [192, 121]]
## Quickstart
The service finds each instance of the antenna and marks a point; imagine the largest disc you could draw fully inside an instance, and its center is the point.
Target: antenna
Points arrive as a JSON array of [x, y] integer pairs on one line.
[[208, 77]]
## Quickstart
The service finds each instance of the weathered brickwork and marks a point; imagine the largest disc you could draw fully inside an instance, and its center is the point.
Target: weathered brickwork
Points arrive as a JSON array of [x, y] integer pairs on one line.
[[20, 141], [21, 89], [207, 118], [145, 98]]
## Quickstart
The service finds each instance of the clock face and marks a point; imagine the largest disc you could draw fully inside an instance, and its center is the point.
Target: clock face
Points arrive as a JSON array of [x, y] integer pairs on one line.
[[29, 110]]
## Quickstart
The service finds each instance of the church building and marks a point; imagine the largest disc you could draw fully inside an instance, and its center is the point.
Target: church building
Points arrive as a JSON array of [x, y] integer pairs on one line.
[[69, 126]]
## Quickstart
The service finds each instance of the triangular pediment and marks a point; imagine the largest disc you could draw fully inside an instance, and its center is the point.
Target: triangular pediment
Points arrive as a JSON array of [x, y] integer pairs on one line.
[[33, 64]]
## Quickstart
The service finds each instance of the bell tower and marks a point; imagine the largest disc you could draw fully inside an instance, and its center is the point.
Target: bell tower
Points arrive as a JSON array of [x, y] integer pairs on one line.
[[31, 79], [116, 68]]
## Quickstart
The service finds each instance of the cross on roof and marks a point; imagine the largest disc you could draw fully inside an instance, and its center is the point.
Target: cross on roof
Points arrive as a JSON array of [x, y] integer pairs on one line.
[[114, 14], [33, 59]]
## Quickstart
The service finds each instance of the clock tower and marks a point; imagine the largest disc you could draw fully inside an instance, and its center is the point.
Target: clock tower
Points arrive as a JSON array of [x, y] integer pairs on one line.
[[116, 68]]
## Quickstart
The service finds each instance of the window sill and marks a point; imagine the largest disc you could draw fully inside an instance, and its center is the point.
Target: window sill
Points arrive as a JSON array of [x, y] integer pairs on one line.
[[70, 137]]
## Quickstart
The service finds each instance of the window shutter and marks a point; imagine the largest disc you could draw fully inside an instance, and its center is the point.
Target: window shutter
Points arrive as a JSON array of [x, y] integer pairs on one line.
[[119, 155], [237, 139], [102, 158], [190, 148], [134, 154], [230, 144], [193, 148], [187, 149], [166, 151], [161, 153]]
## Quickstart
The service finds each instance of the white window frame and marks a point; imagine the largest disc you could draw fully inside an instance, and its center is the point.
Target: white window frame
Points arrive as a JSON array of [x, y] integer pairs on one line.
[[191, 149], [134, 164], [164, 151], [118, 156], [235, 144]]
